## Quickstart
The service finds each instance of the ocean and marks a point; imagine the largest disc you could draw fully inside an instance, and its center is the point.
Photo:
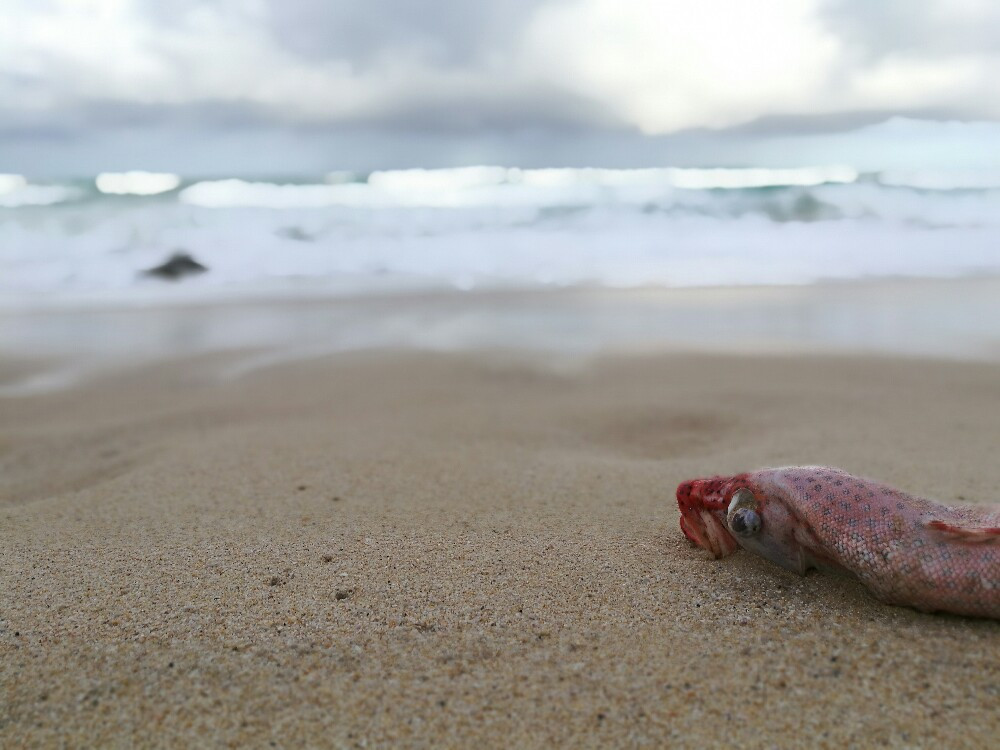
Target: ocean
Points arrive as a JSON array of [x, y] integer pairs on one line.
[[89, 241]]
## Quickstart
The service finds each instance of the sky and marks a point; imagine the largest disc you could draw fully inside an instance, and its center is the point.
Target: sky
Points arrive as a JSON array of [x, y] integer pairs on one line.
[[241, 86]]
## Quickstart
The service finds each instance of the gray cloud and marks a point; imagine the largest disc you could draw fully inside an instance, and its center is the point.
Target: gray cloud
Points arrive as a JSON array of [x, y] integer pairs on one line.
[[112, 115], [449, 112], [459, 85], [933, 28], [445, 32], [425, 74], [421, 112], [471, 109], [837, 122]]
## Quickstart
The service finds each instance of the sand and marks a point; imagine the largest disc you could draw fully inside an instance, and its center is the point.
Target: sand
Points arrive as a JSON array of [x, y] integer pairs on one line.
[[450, 550]]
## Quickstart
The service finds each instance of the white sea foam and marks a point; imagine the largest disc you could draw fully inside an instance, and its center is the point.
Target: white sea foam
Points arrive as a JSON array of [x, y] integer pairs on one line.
[[462, 178], [26, 194], [239, 193], [738, 179], [11, 182], [499, 186], [952, 179], [137, 183], [693, 179], [483, 226]]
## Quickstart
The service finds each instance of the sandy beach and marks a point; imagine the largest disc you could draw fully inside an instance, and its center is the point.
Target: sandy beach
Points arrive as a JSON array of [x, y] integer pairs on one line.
[[352, 355], [448, 549]]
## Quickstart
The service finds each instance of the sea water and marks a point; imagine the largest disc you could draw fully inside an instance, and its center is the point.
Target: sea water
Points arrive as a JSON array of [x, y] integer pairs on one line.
[[90, 240]]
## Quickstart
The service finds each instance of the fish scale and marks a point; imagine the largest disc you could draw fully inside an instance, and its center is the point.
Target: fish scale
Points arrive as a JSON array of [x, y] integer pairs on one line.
[[907, 550]]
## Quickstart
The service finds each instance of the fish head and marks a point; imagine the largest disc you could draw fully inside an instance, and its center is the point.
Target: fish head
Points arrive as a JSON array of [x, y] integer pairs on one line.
[[702, 503], [724, 514]]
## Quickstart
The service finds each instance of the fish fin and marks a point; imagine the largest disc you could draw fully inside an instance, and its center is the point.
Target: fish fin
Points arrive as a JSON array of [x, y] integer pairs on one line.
[[968, 534]]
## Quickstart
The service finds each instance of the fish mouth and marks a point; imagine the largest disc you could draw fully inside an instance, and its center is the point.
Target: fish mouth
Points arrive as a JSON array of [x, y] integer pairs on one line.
[[702, 506]]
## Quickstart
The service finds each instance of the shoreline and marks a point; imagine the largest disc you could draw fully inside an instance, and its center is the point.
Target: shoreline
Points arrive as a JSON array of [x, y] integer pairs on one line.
[[317, 294], [956, 319]]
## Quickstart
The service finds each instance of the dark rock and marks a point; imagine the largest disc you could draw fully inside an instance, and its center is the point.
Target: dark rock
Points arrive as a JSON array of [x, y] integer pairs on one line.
[[176, 266]]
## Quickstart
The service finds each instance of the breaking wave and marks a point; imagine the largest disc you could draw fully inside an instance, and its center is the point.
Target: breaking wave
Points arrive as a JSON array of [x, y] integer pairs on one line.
[[488, 225]]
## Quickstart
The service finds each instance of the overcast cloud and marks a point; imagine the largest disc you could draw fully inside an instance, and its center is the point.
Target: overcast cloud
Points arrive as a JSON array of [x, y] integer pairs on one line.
[[926, 29], [69, 68]]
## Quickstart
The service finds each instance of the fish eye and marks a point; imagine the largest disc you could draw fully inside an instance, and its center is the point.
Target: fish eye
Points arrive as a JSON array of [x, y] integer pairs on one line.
[[744, 522], [742, 497]]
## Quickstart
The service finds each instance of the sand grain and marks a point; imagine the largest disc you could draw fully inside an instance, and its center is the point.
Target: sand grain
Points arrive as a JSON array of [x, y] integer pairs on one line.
[[443, 550]]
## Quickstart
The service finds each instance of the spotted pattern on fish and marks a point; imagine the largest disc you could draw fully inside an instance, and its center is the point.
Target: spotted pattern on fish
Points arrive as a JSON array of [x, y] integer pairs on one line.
[[907, 550]]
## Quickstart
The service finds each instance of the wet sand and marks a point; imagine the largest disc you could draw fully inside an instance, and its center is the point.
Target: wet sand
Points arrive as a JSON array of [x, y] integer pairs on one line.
[[443, 550]]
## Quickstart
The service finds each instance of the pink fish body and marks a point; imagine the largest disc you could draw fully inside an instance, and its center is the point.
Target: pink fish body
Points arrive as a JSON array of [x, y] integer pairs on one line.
[[908, 551]]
